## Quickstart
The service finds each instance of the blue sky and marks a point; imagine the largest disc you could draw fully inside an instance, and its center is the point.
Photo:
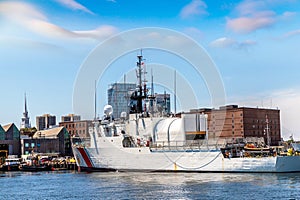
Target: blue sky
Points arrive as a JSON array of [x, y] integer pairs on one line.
[[254, 45]]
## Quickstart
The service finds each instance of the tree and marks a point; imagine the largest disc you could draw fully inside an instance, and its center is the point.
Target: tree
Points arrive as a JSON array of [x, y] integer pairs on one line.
[[28, 131]]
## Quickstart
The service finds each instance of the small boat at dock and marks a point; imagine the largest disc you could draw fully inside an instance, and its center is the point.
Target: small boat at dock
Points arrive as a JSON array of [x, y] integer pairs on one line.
[[12, 163], [34, 168]]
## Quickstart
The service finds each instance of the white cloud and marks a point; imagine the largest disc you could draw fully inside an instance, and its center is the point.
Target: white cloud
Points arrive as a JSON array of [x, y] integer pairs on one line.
[[196, 7], [74, 5], [194, 32], [249, 7], [253, 15], [246, 44], [100, 33], [18, 10], [292, 33], [247, 24], [225, 42], [222, 42], [32, 19], [288, 14]]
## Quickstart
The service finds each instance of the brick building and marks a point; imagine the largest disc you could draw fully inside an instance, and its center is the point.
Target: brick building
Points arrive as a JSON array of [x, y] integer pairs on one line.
[[239, 122], [78, 128], [70, 117]]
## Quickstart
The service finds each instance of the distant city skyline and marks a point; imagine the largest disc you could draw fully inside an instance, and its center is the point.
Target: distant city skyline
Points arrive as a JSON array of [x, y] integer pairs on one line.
[[253, 43]]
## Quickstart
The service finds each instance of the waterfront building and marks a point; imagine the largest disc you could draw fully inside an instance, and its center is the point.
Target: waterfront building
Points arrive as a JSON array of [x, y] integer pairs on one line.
[[2, 133], [78, 129], [3, 147], [45, 121], [240, 122], [51, 141], [163, 102], [118, 97], [9, 141], [25, 119], [70, 118]]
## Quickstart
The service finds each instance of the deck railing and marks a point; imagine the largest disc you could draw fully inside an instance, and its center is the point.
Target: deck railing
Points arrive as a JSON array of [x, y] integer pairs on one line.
[[196, 145]]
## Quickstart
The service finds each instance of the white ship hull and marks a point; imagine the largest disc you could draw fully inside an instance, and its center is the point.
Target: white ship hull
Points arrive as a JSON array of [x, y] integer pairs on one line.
[[169, 151], [143, 159]]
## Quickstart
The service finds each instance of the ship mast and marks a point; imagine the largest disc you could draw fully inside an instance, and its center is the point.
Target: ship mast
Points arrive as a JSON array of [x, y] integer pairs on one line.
[[267, 130], [140, 87], [141, 91], [152, 94], [175, 92], [95, 101]]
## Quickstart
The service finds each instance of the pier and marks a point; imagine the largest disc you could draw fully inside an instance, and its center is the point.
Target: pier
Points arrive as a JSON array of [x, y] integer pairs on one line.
[[34, 164]]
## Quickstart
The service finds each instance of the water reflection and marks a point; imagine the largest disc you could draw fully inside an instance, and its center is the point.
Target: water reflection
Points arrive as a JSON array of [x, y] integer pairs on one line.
[[191, 178], [206, 185], [114, 185]]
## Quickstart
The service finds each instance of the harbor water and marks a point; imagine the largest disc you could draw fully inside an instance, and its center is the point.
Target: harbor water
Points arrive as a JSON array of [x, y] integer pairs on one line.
[[115, 185]]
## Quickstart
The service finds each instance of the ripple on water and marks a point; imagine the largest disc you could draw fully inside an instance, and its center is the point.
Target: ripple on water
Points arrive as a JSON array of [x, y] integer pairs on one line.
[[114, 185]]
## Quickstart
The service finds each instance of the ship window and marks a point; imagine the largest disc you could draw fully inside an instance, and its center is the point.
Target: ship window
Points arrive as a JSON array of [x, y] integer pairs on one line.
[[127, 142], [195, 136]]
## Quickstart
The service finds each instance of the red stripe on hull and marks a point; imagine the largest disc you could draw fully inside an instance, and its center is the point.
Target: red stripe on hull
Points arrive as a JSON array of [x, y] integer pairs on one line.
[[85, 157]]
